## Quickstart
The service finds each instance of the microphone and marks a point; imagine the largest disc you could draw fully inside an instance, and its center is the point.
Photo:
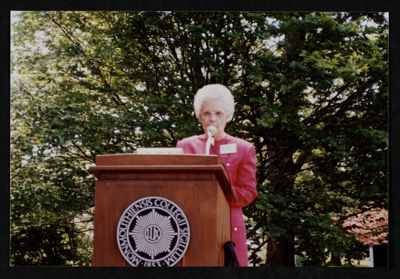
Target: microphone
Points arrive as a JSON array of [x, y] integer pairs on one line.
[[211, 131]]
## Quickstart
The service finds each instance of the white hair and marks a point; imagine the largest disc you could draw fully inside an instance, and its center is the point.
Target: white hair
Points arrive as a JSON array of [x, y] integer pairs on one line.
[[215, 92]]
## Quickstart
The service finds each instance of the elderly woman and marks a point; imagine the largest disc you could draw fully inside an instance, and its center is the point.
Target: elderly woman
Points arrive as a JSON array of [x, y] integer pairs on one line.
[[214, 106]]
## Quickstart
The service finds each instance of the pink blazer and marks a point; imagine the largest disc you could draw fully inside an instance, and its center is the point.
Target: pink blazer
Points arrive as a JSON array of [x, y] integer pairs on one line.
[[240, 161]]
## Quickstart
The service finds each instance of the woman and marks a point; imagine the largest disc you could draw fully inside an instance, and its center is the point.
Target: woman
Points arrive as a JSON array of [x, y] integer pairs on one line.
[[214, 106]]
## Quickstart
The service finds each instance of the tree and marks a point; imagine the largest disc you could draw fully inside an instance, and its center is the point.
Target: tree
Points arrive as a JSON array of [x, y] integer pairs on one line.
[[311, 93], [316, 133]]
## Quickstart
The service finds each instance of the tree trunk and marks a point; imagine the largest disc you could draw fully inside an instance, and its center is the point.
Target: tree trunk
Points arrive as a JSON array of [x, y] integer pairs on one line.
[[335, 260], [280, 249], [280, 252]]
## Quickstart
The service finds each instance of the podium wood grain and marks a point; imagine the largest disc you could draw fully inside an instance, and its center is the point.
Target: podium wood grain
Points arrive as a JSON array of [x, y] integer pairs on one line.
[[196, 183]]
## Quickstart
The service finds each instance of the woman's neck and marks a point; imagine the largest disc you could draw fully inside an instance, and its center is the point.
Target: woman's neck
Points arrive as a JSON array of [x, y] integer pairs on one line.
[[219, 137]]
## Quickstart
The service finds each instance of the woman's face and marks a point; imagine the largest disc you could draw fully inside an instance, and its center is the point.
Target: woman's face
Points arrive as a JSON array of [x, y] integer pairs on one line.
[[212, 113]]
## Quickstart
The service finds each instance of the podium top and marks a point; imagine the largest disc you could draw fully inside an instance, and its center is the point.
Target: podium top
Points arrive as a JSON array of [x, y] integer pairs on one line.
[[159, 159], [161, 167]]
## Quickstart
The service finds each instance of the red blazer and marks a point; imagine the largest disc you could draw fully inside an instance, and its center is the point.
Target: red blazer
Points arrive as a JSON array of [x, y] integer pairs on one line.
[[239, 157]]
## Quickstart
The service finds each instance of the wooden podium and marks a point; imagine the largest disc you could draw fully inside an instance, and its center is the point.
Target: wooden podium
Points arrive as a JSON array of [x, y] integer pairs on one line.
[[197, 184]]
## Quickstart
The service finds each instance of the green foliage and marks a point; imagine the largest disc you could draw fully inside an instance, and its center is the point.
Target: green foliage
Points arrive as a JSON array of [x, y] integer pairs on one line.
[[311, 92], [51, 245]]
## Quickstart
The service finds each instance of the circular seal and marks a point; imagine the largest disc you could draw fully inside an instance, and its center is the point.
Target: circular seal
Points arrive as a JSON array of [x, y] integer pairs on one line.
[[153, 231]]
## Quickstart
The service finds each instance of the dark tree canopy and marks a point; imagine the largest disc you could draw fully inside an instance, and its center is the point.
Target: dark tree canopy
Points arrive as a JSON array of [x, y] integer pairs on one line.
[[311, 93]]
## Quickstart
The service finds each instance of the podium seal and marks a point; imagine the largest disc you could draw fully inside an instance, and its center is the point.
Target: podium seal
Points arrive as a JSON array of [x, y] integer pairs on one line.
[[153, 231]]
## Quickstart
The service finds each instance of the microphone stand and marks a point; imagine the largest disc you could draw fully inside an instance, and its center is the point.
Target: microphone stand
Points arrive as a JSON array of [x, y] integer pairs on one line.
[[210, 138], [210, 141]]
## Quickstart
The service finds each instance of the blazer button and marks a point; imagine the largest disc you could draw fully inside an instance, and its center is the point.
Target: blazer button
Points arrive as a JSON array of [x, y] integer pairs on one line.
[[228, 164], [235, 229]]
